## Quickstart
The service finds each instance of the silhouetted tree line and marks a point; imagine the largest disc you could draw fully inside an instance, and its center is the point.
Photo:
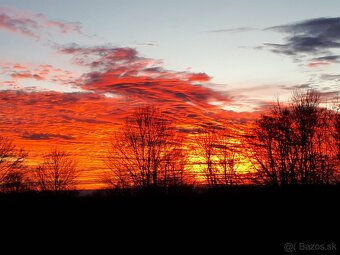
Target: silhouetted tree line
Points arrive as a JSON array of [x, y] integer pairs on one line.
[[296, 143], [57, 172], [292, 144]]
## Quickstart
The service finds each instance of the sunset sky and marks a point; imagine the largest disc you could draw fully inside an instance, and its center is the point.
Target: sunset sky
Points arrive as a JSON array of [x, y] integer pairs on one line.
[[70, 71]]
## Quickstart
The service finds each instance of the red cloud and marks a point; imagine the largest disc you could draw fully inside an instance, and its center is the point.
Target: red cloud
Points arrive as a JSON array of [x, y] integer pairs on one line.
[[122, 71], [26, 75], [33, 25], [138, 80], [18, 66], [200, 77]]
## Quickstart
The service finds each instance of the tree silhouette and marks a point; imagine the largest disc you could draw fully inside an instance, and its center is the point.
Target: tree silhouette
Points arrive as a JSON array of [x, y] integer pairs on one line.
[[292, 144], [12, 169], [227, 156], [146, 151], [219, 157], [173, 163], [207, 143], [58, 172]]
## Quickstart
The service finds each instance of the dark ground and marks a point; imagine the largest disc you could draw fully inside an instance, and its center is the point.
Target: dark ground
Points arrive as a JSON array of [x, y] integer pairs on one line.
[[240, 220]]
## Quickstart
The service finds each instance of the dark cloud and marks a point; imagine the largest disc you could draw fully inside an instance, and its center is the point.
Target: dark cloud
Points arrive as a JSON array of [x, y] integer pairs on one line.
[[84, 120], [329, 95], [323, 61], [298, 86], [192, 115], [42, 136], [314, 36], [331, 58], [100, 57]]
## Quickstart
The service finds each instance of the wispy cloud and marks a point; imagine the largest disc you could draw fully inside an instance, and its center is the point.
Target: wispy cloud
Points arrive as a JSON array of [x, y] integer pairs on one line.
[[234, 30], [34, 25], [324, 61], [330, 58]]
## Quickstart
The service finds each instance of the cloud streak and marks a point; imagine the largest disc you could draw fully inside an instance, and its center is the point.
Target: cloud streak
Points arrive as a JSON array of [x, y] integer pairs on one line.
[[234, 30], [37, 136], [34, 25]]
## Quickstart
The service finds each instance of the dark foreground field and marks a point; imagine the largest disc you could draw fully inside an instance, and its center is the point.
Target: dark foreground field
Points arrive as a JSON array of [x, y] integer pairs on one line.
[[240, 220]]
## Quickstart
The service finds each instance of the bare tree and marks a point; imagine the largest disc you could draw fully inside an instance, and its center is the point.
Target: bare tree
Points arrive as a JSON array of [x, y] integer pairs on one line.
[[207, 143], [219, 157], [58, 172], [174, 161], [227, 156], [292, 145], [12, 168], [273, 147], [146, 151]]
